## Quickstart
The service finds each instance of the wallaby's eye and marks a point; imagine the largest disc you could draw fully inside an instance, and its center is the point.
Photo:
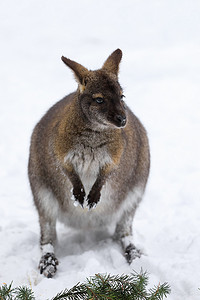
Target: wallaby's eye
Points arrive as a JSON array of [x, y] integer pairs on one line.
[[98, 97], [99, 100]]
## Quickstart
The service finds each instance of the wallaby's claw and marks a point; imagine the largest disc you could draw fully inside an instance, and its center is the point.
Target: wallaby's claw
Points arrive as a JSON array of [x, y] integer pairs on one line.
[[91, 205], [92, 202]]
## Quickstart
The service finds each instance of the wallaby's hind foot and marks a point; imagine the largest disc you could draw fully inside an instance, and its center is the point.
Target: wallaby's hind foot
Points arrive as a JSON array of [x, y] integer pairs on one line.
[[131, 253], [48, 265]]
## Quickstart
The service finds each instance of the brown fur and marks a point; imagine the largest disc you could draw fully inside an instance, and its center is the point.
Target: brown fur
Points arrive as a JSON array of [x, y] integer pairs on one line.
[[91, 134]]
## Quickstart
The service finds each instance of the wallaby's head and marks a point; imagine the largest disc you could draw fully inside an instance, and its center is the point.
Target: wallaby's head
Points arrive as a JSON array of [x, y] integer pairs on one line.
[[99, 93]]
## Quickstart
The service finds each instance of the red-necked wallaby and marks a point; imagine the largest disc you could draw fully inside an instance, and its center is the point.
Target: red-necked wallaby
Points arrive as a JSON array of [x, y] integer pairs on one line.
[[89, 149]]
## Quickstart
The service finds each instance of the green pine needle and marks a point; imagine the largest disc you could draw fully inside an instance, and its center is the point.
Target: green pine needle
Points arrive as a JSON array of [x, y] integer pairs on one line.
[[6, 292], [24, 293]]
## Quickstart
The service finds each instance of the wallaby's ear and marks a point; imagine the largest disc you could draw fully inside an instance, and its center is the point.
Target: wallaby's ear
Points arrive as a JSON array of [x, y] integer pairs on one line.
[[112, 63], [80, 72]]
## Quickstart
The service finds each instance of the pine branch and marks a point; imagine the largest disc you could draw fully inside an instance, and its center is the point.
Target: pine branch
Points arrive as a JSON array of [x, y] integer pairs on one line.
[[99, 287], [24, 293], [125, 287], [20, 293], [6, 292], [162, 291], [79, 291]]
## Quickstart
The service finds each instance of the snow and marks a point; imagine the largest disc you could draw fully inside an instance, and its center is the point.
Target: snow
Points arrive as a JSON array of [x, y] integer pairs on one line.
[[160, 73]]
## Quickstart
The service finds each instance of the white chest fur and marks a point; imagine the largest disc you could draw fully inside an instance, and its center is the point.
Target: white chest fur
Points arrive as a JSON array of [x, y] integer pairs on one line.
[[87, 162]]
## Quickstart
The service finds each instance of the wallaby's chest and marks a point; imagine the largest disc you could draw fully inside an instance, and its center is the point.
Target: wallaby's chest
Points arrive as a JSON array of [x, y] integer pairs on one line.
[[89, 154], [87, 161]]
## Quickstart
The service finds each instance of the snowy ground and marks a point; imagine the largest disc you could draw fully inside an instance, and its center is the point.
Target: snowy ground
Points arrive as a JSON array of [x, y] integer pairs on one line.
[[160, 73]]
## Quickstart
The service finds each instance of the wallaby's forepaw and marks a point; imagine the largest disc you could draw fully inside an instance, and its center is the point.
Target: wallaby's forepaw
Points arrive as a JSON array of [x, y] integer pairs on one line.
[[48, 265], [79, 195], [92, 199], [131, 252]]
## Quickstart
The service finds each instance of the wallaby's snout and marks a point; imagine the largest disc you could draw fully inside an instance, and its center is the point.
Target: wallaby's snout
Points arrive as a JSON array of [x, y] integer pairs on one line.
[[117, 117], [117, 114], [121, 120]]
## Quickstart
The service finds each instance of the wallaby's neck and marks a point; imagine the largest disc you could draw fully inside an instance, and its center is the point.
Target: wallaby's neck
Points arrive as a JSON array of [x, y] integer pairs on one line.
[[76, 117], [82, 117]]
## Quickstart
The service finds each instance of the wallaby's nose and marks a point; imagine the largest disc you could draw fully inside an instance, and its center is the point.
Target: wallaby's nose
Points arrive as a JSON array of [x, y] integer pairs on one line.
[[121, 120]]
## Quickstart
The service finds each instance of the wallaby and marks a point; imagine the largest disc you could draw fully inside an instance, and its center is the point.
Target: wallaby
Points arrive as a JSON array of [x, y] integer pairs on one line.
[[89, 161]]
